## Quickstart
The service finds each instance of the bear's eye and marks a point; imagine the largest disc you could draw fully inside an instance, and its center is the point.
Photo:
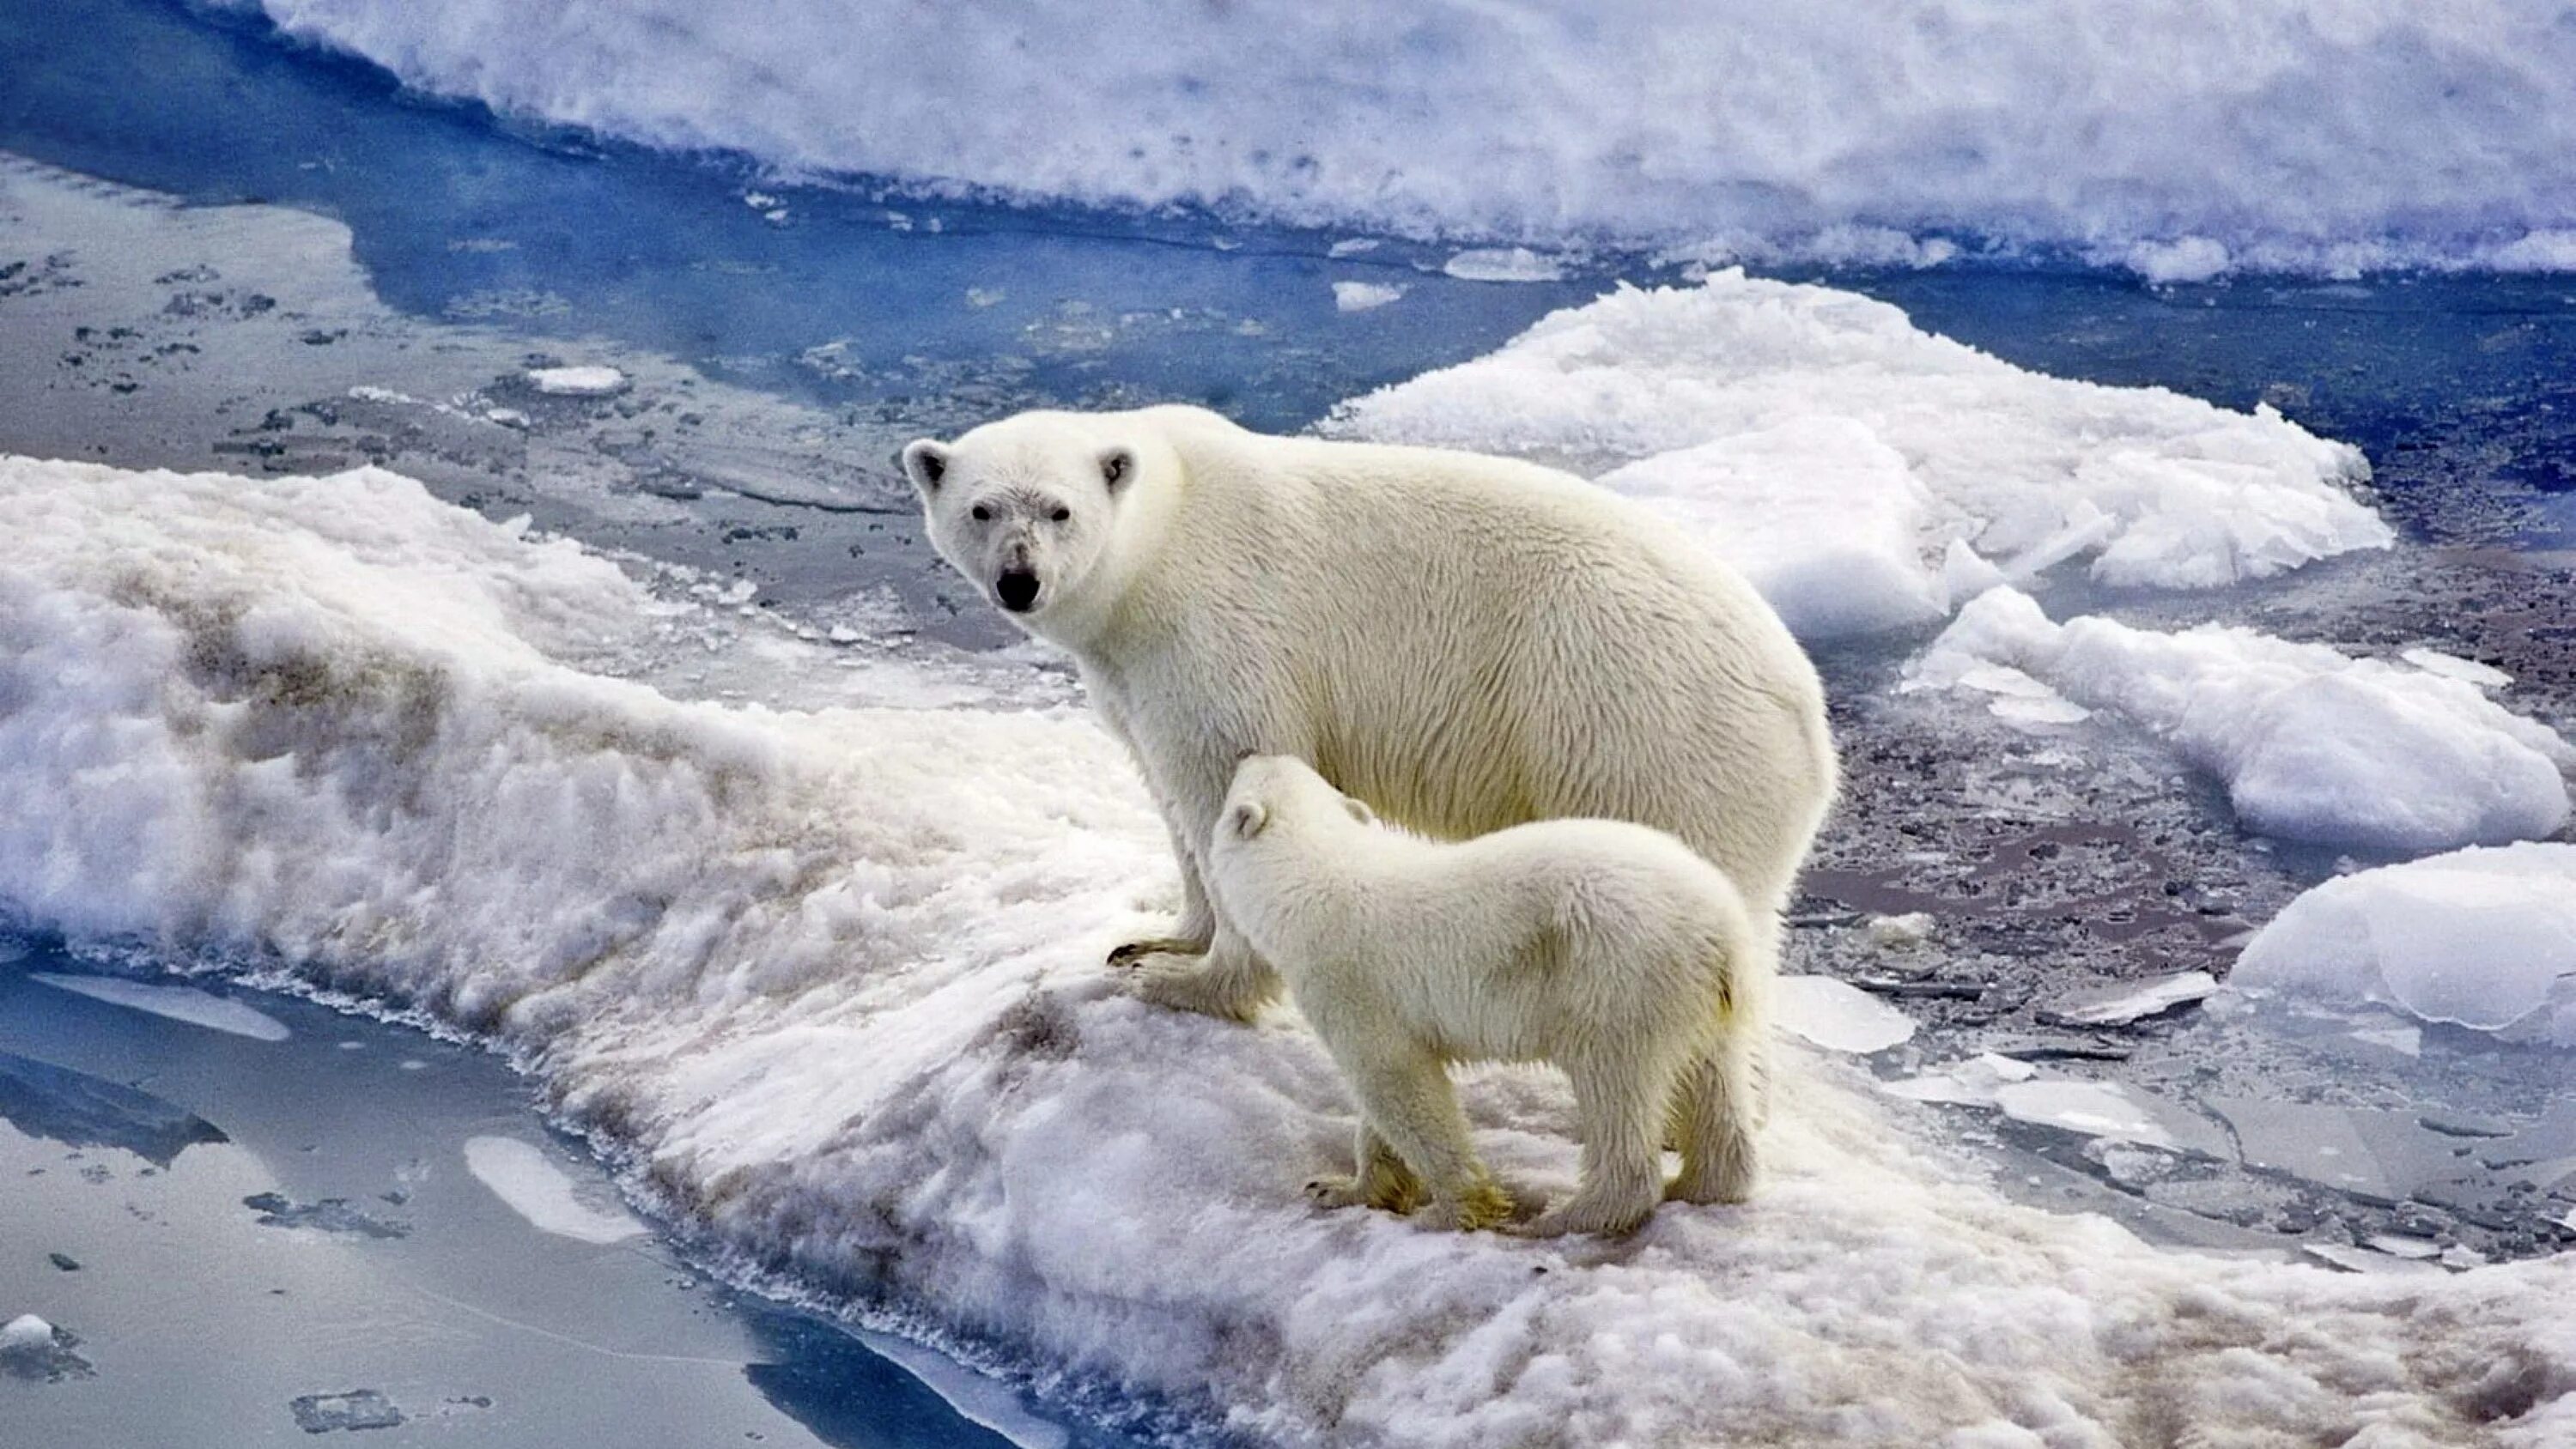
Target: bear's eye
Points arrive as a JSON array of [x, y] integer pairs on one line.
[[1062, 515], [982, 514]]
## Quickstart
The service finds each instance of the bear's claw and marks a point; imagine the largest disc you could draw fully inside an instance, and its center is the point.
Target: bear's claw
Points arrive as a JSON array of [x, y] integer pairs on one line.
[[1133, 953]]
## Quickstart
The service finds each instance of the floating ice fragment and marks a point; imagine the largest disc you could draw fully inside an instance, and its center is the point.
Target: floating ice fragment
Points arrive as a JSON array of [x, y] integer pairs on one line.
[[2433, 661], [357, 1409], [1895, 932], [2312, 744], [2363, 1260], [1973, 1082], [1507, 264], [2124, 1002], [531, 1185], [2481, 938], [2096, 1109], [586, 381], [1352, 246], [1362, 296], [1840, 1017], [174, 1003]]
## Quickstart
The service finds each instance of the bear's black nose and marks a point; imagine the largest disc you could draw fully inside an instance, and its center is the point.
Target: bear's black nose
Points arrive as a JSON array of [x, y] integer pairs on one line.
[[1017, 589]]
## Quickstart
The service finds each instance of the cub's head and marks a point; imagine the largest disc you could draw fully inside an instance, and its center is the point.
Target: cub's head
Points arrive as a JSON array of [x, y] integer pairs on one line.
[[1275, 798], [1028, 507]]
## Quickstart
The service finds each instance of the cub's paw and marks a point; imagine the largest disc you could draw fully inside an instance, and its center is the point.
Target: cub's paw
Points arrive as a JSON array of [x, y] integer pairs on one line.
[[1184, 983], [1133, 954], [1336, 1192]]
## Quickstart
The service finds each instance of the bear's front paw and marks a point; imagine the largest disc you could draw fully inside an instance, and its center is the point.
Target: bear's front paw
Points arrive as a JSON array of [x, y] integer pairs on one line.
[[1185, 983], [1133, 954], [1335, 1192]]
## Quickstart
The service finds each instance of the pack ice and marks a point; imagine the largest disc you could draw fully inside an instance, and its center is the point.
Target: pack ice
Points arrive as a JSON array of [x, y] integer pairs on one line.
[[2313, 744], [833, 980], [1868, 475]]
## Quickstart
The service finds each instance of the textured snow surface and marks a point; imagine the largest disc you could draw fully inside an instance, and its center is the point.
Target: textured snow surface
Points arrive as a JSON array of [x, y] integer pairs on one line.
[[2479, 938], [2181, 141], [2313, 744], [1867, 474], [834, 979]]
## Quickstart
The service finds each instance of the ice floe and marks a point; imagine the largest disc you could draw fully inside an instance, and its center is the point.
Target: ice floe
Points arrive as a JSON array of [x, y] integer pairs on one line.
[[834, 981], [2481, 938], [178, 1003], [2284, 133], [2312, 744], [531, 1185], [585, 381], [1869, 475]]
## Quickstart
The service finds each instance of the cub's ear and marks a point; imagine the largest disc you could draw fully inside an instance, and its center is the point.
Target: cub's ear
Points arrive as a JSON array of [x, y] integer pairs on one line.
[[1247, 819], [925, 462], [1117, 466], [1359, 810]]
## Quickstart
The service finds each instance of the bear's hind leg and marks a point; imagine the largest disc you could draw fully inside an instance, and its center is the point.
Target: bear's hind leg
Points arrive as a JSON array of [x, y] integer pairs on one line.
[[1719, 1105], [1621, 1109]]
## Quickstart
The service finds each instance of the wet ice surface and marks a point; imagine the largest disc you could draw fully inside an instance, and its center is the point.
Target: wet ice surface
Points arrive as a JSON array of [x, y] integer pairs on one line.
[[336, 1262]]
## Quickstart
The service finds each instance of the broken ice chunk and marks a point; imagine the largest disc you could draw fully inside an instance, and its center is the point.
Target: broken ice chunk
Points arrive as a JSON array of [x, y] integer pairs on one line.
[[2127, 1001], [356, 1409], [2096, 1109], [589, 381], [1911, 929], [32, 1349], [1840, 1017]]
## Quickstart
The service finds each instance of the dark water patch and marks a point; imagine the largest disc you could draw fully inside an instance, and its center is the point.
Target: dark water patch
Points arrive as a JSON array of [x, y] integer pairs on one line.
[[80, 1110]]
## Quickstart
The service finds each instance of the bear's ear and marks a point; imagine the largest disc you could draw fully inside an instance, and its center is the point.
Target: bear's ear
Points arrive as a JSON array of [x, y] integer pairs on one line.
[[925, 462], [1359, 810], [1246, 819], [1117, 465]]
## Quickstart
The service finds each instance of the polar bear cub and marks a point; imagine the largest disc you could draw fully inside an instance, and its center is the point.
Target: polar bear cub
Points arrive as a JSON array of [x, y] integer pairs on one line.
[[1607, 948]]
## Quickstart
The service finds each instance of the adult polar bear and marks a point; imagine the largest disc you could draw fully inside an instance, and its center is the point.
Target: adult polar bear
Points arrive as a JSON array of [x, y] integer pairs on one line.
[[1465, 642]]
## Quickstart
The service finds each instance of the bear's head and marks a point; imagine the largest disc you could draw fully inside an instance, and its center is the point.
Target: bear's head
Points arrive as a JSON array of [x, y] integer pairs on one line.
[[1029, 508], [1275, 796]]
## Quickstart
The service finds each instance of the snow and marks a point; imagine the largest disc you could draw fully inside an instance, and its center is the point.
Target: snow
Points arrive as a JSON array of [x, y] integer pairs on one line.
[[1870, 476], [2312, 744], [839, 1002], [2320, 135], [24, 1332], [531, 1185], [2481, 938], [178, 1003], [1364, 296], [1839, 1016], [587, 381]]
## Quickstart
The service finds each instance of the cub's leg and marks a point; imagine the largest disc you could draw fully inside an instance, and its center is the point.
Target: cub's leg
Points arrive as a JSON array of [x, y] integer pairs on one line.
[[1719, 1110], [1619, 1101], [1410, 1104], [1383, 1181]]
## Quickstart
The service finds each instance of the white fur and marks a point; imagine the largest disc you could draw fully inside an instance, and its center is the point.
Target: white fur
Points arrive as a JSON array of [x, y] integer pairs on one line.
[[1466, 642], [1607, 948]]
